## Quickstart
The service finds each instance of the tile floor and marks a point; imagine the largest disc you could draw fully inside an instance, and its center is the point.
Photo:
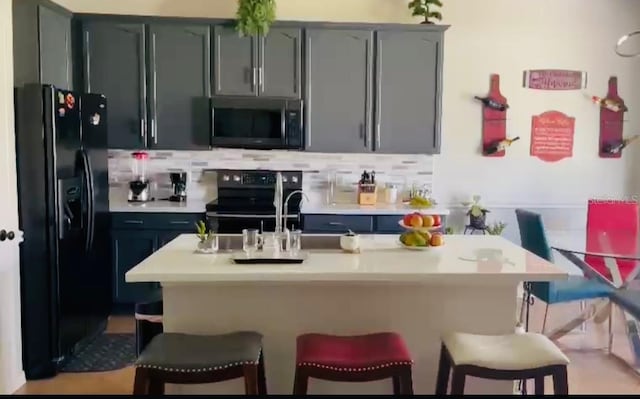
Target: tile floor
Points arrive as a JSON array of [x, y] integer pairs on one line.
[[591, 371]]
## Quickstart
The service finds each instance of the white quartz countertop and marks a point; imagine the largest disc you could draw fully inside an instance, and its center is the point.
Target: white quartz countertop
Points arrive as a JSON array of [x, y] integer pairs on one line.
[[462, 260], [355, 209], [158, 206]]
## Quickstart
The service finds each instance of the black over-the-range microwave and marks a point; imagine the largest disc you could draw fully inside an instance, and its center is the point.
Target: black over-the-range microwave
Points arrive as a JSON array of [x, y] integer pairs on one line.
[[241, 122]]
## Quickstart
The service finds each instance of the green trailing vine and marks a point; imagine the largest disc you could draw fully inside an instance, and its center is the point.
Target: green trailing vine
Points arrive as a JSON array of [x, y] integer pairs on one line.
[[254, 17]]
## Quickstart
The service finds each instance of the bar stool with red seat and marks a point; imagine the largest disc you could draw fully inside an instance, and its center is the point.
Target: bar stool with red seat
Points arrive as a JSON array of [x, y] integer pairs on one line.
[[620, 220], [359, 358]]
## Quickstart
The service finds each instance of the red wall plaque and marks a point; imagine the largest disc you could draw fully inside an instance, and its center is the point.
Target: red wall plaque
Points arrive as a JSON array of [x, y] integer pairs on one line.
[[494, 122], [555, 79], [611, 123], [552, 136]]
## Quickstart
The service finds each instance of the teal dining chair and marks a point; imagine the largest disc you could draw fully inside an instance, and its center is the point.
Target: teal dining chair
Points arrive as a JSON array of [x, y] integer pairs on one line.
[[576, 288]]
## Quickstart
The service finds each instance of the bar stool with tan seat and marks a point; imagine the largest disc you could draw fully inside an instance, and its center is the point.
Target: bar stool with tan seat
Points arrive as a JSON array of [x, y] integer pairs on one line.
[[501, 357], [361, 358], [172, 358]]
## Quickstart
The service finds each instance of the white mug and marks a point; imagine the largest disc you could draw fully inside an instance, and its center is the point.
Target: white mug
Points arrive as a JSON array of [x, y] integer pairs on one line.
[[350, 243]]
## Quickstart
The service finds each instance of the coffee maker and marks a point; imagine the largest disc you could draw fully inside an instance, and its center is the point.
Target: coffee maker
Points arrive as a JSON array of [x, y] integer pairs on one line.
[[179, 186], [139, 187]]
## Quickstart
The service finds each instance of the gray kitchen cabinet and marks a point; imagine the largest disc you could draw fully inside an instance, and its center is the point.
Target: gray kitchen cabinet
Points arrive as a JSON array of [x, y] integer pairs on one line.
[[129, 248], [339, 73], [114, 63], [55, 48], [408, 92], [280, 58], [180, 87], [235, 63], [42, 45], [258, 66]]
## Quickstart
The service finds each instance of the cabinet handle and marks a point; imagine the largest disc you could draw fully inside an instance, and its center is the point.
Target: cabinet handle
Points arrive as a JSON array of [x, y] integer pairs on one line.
[[261, 79], [253, 76], [154, 134], [133, 221], [142, 129], [179, 222], [378, 139], [335, 224]]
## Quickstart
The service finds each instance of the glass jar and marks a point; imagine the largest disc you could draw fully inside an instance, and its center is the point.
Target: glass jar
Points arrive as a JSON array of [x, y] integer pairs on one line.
[[391, 193]]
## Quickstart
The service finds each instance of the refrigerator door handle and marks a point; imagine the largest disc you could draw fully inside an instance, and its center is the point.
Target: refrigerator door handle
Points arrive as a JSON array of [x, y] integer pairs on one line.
[[88, 176]]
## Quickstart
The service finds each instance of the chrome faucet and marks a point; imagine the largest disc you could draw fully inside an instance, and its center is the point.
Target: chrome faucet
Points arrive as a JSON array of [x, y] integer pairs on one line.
[[286, 205], [277, 203]]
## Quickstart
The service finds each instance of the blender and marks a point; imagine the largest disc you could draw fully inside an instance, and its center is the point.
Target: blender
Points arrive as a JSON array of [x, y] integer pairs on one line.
[[139, 187]]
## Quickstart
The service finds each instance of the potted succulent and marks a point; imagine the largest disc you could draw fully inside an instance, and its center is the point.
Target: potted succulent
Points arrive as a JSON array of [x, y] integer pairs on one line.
[[425, 8], [206, 237], [496, 229], [254, 17], [477, 213]]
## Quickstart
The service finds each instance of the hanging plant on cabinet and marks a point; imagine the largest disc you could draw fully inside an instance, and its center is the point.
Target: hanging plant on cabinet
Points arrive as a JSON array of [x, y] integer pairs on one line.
[[425, 8], [254, 17]]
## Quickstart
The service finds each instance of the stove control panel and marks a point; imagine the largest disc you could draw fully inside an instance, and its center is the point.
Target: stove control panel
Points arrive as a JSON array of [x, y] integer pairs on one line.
[[258, 179]]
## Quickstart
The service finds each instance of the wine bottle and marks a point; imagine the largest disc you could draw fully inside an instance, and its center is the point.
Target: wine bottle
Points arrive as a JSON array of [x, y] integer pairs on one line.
[[609, 104], [618, 147], [491, 103], [500, 146]]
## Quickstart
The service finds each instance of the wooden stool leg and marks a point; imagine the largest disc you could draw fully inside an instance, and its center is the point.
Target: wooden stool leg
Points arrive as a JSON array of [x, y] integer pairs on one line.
[[397, 388], [560, 383], [300, 382], [406, 382], [457, 382], [262, 378], [156, 386], [444, 369], [539, 385], [141, 382], [250, 372]]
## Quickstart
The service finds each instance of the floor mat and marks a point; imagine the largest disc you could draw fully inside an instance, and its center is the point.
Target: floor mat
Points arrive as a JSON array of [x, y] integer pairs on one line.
[[105, 353]]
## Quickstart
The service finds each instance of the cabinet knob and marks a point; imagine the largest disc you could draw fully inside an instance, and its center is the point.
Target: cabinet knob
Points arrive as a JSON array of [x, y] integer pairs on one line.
[[4, 235]]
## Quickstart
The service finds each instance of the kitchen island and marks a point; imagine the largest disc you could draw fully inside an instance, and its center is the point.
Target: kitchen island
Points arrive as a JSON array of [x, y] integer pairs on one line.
[[469, 284]]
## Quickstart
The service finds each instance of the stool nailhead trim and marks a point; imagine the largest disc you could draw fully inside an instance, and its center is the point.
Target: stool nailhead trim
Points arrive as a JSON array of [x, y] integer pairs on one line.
[[226, 366], [323, 366]]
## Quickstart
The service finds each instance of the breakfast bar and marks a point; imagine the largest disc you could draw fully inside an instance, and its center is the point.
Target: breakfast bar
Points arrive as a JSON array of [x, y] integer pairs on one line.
[[468, 285]]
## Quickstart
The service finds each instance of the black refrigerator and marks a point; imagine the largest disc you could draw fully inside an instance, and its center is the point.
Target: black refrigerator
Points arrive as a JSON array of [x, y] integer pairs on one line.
[[63, 188]]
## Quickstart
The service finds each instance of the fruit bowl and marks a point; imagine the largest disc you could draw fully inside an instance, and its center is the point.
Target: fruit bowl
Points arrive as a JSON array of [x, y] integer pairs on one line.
[[411, 228], [420, 248], [420, 240]]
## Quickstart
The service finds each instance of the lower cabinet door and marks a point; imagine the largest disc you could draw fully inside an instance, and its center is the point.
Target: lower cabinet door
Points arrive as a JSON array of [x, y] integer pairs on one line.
[[129, 248]]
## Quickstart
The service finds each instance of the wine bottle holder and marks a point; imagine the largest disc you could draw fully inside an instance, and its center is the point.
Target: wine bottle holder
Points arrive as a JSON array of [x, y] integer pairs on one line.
[[494, 122], [611, 123]]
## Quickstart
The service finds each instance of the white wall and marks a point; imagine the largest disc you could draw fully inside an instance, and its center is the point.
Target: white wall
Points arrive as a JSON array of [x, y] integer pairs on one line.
[[493, 36]]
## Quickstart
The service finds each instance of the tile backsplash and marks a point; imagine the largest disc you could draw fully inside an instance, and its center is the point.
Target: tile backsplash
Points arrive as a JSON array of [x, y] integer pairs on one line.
[[402, 170]]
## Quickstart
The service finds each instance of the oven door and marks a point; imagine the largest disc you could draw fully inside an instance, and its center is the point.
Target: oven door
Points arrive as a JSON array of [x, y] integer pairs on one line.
[[230, 223], [248, 123]]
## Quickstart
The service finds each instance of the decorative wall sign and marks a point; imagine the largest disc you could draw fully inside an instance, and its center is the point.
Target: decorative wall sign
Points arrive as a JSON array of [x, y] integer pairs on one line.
[[555, 79], [611, 122], [494, 118], [552, 136]]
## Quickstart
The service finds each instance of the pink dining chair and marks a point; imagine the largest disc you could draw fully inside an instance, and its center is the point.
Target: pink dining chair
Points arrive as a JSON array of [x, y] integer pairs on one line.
[[620, 220]]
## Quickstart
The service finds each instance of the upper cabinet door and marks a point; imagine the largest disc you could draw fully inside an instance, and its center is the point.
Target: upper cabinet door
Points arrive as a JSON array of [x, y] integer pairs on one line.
[[236, 69], [180, 87], [408, 92], [55, 48], [280, 58], [338, 110], [115, 66]]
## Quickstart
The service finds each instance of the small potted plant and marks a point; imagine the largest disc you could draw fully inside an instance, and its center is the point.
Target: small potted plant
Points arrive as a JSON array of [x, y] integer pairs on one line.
[[477, 214], [254, 17], [206, 237], [425, 8], [496, 229]]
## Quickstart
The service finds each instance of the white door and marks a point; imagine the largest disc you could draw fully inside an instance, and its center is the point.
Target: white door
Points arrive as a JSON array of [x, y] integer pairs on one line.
[[11, 374]]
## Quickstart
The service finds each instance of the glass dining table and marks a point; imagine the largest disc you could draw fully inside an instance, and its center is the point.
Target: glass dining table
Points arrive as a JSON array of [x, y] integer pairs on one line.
[[612, 258]]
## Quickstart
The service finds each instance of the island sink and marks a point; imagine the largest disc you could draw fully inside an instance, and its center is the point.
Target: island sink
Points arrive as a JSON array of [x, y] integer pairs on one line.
[[233, 242]]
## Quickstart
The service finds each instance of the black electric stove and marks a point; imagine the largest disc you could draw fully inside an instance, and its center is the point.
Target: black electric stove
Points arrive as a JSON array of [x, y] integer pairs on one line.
[[245, 201]]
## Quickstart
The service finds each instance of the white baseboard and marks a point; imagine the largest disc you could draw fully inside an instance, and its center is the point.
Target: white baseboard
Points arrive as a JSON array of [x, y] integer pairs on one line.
[[14, 383]]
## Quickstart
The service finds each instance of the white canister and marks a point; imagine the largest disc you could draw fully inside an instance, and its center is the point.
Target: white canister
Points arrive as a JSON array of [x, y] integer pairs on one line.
[[390, 194]]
